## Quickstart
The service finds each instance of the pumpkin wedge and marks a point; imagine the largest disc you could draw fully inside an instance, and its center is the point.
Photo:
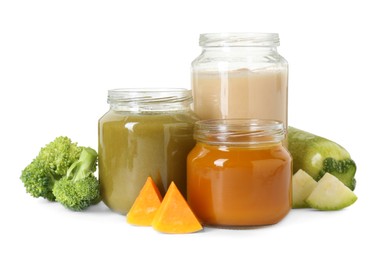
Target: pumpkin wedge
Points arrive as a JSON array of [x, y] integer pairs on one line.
[[146, 204], [174, 215]]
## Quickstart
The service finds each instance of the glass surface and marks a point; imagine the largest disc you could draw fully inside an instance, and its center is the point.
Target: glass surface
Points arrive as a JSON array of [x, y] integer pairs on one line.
[[133, 146], [240, 76], [237, 186]]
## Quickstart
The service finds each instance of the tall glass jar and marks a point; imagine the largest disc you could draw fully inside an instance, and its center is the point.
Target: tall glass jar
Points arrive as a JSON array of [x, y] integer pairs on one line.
[[239, 173], [146, 132], [240, 75]]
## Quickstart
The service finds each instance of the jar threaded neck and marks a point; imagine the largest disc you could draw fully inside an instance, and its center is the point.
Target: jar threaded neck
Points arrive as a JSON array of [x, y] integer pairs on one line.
[[149, 99], [239, 40], [239, 131]]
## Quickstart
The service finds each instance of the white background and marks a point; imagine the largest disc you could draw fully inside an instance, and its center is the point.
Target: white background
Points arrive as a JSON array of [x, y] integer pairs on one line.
[[59, 58]]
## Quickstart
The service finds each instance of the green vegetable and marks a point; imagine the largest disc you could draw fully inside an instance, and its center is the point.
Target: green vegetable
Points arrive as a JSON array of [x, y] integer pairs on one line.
[[38, 180], [50, 165], [302, 186], [331, 194], [63, 172], [79, 188], [317, 155]]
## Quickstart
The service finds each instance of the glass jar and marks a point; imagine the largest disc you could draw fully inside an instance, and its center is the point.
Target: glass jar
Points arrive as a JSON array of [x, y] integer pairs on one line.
[[146, 132], [240, 75], [239, 173]]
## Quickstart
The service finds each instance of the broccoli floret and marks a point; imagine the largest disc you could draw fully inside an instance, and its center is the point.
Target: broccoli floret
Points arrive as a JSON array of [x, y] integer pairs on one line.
[[63, 171], [59, 155], [38, 181], [79, 188], [77, 195], [344, 170], [50, 165]]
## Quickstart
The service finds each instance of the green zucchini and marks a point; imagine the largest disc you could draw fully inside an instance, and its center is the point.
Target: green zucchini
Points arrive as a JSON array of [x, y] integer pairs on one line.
[[317, 155], [330, 194]]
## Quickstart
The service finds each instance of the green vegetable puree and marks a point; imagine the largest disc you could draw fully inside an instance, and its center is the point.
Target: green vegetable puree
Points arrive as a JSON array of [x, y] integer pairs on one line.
[[133, 146]]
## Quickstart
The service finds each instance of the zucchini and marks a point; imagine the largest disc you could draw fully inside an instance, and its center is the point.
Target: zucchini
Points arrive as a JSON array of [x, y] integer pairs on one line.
[[317, 155]]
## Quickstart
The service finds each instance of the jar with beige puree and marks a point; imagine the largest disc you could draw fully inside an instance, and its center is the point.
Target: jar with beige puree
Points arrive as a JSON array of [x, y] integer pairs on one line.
[[146, 132], [240, 75]]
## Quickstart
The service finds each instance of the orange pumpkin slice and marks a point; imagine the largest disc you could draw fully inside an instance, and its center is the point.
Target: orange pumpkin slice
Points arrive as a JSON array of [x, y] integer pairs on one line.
[[174, 215], [146, 204]]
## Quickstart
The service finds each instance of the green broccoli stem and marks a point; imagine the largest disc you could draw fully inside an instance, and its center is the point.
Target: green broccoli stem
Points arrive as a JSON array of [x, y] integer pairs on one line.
[[84, 166]]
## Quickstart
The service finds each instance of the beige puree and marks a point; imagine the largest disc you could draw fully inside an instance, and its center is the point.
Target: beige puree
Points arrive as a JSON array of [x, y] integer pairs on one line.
[[241, 94]]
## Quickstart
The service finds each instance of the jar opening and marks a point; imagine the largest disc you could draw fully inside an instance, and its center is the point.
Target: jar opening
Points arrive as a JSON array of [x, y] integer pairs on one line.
[[239, 40], [149, 99], [239, 131]]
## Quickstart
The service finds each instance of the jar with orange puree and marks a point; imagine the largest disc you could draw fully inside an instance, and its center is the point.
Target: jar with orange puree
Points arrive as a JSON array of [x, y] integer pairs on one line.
[[239, 173]]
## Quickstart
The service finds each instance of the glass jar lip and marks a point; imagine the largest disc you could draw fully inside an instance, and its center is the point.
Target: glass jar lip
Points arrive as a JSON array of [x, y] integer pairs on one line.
[[239, 39], [149, 95], [239, 131]]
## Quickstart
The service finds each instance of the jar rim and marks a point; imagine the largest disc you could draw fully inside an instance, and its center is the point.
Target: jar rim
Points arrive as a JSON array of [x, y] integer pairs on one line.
[[239, 131], [239, 39], [148, 95]]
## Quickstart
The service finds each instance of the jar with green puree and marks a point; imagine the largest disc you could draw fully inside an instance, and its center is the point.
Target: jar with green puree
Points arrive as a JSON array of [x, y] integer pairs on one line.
[[146, 132]]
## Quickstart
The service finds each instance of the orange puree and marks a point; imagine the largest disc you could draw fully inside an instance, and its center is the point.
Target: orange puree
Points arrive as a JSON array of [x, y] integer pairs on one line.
[[239, 186]]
